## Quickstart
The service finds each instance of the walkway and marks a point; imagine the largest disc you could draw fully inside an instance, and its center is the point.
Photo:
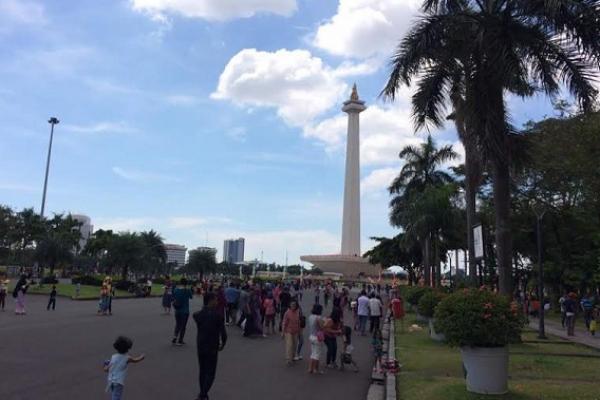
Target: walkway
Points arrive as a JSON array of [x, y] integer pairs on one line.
[[59, 355], [581, 336]]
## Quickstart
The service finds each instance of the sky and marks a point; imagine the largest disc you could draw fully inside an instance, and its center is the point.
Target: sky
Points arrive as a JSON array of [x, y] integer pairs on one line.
[[207, 119]]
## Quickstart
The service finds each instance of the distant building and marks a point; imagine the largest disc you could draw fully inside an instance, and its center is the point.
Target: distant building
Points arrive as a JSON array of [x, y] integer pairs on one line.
[[207, 249], [86, 229], [176, 254], [233, 250]]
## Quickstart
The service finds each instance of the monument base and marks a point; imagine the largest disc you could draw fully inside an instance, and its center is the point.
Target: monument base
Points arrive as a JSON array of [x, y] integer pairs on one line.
[[349, 266]]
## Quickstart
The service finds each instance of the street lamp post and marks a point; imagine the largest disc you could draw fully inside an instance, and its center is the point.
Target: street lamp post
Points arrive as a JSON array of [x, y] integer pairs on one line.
[[52, 121], [541, 329]]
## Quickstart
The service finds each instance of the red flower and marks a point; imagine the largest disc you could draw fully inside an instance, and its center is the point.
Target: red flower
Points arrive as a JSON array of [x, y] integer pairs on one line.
[[487, 316], [488, 306]]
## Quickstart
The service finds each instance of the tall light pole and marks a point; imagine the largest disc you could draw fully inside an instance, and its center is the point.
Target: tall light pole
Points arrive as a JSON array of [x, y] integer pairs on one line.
[[539, 213], [52, 121]]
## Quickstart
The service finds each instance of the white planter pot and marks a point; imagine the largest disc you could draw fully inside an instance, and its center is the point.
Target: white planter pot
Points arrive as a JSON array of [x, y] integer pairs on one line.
[[438, 337], [487, 369], [421, 318]]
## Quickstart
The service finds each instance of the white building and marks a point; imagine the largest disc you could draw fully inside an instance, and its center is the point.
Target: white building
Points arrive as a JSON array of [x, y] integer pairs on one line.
[[176, 254], [233, 250], [86, 228]]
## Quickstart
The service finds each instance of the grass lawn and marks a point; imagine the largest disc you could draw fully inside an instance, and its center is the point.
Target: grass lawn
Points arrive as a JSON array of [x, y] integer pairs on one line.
[[433, 370], [65, 289]]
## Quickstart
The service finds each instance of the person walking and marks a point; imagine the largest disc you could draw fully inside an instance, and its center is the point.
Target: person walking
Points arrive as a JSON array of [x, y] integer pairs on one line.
[[269, 309], [243, 303], [211, 339], [52, 299], [587, 306], [116, 367], [362, 312], [317, 294], [300, 333], [570, 310], [19, 295], [3, 291], [561, 303], [332, 328], [316, 337], [167, 298], [285, 298], [232, 296], [181, 304], [290, 330], [375, 312]]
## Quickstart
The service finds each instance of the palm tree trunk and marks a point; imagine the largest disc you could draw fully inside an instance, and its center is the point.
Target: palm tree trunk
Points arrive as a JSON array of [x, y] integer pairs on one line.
[[471, 184], [501, 172], [426, 263], [438, 267]]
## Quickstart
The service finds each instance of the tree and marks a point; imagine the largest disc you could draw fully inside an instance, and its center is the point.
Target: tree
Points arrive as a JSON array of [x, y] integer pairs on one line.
[[58, 242], [98, 245], [401, 250], [155, 255], [417, 185], [498, 46], [201, 262], [126, 251]]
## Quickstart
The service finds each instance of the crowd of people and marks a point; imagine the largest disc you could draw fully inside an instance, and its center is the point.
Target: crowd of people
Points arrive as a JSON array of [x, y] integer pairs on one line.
[[263, 309]]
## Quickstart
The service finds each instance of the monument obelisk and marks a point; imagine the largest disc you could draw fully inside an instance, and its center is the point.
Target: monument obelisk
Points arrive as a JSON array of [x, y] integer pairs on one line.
[[351, 218], [349, 262]]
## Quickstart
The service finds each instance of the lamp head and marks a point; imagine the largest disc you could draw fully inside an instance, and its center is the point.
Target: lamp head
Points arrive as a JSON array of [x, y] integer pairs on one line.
[[53, 121]]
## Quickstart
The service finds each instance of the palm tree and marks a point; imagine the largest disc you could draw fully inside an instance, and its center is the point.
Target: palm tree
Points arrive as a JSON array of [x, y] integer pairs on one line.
[[495, 47], [416, 182], [156, 254], [201, 262]]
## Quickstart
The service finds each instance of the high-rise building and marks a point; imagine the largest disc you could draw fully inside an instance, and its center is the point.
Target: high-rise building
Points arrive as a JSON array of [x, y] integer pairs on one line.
[[176, 254], [86, 229], [233, 250]]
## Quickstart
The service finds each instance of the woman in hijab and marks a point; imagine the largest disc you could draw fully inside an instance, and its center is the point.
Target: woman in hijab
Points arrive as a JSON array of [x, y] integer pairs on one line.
[[19, 295]]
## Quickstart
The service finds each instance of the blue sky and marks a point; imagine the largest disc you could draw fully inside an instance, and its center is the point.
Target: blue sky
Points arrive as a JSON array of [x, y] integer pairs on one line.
[[205, 119]]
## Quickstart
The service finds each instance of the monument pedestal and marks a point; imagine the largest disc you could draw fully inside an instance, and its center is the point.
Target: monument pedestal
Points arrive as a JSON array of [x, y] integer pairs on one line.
[[349, 266]]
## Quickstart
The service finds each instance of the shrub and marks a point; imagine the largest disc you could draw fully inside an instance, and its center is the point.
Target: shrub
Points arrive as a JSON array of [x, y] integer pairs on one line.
[[86, 280], [123, 285], [478, 318], [414, 294], [428, 302]]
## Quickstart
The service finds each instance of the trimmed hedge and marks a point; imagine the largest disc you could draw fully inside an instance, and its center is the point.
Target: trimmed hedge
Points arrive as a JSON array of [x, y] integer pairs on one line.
[[86, 280]]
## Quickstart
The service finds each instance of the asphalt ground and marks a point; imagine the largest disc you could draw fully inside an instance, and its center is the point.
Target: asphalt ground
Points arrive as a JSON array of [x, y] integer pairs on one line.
[[59, 355]]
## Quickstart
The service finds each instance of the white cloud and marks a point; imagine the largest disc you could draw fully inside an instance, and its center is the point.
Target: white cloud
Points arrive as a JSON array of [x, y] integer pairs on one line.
[[143, 176], [125, 224], [385, 130], [366, 28], [298, 85], [193, 222], [21, 12], [101, 127], [59, 60], [378, 180], [219, 10]]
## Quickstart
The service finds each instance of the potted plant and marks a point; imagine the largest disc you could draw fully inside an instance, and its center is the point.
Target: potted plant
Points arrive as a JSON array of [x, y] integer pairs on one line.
[[413, 296], [482, 324], [427, 305]]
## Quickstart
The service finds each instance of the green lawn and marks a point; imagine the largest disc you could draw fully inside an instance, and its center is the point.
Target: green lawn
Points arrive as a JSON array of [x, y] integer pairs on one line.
[[87, 292], [433, 370]]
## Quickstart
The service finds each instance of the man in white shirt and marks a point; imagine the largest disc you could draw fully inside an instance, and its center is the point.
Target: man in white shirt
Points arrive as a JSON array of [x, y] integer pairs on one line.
[[376, 310], [363, 312]]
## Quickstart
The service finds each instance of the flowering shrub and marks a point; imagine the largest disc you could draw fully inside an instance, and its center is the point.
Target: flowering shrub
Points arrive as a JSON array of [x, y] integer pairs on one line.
[[428, 302], [478, 318]]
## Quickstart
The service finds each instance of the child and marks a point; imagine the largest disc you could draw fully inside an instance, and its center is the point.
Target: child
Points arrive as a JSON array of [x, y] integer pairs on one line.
[[77, 290], [377, 343], [269, 307], [117, 366], [52, 299], [347, 350]]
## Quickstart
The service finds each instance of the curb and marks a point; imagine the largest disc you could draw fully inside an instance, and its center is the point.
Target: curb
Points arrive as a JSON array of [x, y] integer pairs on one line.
[[383, 386]]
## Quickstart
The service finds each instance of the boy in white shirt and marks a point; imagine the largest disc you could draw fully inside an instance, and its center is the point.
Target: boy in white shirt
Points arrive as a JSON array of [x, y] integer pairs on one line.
[[117, 366]]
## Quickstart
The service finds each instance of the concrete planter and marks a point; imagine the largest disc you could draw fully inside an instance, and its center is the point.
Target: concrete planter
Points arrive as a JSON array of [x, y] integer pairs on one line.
[[486, 368], [438, 337]]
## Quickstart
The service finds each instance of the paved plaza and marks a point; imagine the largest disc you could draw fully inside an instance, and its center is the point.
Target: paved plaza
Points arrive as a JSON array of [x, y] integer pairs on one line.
[[59, 355]]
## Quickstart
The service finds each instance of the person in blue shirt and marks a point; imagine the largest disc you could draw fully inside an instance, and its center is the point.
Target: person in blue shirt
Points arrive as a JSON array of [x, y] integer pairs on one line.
[[181, 304], [232, 296]]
